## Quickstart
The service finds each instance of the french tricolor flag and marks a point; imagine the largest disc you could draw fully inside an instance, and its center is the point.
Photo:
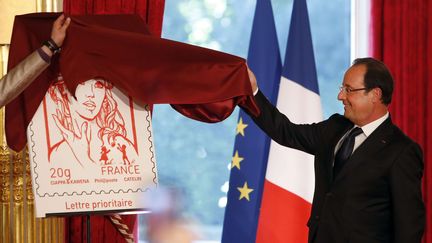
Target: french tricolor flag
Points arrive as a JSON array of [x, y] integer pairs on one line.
[[289, 184], [271, 186]]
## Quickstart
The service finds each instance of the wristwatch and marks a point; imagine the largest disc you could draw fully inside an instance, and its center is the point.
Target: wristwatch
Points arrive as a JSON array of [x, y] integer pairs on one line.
[[52, 46]]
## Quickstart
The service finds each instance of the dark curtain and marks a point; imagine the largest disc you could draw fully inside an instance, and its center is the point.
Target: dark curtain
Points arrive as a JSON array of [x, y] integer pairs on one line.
[[111, 228], [402, 39]]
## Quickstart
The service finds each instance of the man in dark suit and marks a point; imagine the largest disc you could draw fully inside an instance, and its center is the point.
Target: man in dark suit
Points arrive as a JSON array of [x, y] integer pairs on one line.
[[367, 171]]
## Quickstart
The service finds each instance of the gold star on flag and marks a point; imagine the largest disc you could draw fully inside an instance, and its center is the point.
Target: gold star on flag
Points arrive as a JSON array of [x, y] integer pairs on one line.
[[241, 127], [236, 160], [244, 191]]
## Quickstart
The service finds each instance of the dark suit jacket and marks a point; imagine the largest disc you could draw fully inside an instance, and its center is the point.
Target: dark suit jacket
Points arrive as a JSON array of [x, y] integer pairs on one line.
[[377, 195]]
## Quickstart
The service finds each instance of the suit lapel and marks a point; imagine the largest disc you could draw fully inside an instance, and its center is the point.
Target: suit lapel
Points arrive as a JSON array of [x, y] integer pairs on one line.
[[375, 142]]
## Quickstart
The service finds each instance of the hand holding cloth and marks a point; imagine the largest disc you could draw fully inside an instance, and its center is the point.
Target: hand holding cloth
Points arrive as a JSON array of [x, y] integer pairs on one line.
[[199, 83]]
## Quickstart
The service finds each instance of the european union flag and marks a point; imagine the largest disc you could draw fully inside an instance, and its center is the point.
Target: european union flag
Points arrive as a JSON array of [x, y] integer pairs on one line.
[[251, 148]]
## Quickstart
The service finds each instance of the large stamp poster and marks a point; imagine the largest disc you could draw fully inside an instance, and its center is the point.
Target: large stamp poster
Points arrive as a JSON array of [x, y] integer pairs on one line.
[[90, 152]]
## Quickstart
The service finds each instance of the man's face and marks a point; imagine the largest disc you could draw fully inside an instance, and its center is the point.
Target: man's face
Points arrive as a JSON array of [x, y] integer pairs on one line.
[[359, 106]]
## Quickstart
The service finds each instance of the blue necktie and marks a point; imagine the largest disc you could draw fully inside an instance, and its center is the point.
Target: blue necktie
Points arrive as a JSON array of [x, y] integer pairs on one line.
[[345, 151]]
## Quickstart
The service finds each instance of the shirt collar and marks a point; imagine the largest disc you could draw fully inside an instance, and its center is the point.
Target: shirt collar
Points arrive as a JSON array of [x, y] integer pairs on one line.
[[370, 127]]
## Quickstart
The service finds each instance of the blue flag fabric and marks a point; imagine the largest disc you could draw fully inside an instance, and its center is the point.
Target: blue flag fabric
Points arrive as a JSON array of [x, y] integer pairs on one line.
[[251, 148], [299, 65]]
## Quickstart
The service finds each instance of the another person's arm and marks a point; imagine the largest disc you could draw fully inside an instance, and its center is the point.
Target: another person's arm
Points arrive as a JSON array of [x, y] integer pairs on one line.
[[17, 79]]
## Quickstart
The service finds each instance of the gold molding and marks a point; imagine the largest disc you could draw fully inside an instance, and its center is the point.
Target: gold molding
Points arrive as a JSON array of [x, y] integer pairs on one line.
[[17, 217], [10, 8]]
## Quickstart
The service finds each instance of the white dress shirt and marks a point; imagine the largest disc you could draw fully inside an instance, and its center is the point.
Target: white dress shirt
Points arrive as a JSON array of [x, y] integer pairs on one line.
[[367, 131]]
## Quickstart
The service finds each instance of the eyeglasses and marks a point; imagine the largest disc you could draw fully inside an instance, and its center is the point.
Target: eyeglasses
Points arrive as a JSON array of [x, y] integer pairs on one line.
[[348, 90]]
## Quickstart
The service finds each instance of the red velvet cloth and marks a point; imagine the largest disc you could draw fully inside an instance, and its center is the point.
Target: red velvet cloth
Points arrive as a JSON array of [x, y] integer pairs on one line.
[[154, 70], [402, 38], [203, 84]]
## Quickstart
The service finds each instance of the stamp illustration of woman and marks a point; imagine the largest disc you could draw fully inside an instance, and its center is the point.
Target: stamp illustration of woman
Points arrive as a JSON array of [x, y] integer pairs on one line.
[[92, 128]]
